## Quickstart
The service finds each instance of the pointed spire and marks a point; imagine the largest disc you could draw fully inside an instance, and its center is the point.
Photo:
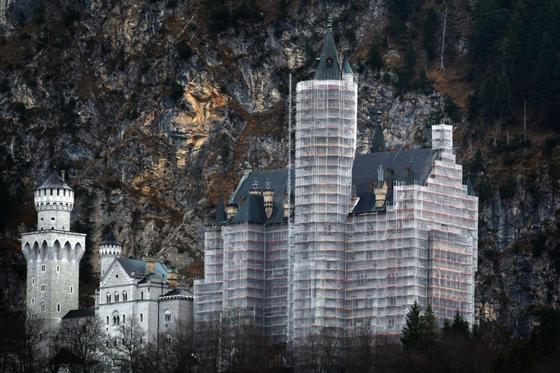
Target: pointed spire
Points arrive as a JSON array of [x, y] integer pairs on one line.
[[328, 68], [378, 142], [110, 239], [220, 211], [346, 67]]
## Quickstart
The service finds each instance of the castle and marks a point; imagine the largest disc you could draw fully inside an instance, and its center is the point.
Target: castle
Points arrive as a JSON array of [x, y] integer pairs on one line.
[[336, 242], [342, 241], [143, 293]]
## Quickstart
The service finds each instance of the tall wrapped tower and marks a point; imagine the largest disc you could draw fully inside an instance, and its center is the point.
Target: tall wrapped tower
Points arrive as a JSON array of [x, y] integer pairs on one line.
[[326, 126]]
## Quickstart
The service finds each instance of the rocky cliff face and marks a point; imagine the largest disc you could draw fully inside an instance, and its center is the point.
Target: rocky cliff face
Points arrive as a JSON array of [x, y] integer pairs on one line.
[[151, 107]]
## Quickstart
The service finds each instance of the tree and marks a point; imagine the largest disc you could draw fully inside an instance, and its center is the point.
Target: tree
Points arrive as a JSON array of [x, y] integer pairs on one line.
[[429, 328], [33, 345], [84, 337], [127, 350], [460, 326], [411, 333]]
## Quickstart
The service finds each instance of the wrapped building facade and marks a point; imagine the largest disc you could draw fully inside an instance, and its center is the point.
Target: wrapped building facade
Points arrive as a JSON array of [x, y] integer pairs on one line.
[[347, 240]]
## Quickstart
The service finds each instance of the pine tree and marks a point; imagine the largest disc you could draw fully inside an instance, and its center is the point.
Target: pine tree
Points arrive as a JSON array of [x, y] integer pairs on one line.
[[460, 326], [410, 336], [428, 328]]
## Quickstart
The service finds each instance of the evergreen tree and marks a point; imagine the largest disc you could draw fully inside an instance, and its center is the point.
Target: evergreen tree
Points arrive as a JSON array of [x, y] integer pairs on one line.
[[460, 326], [429, 328], [410, 336], [375, 60]]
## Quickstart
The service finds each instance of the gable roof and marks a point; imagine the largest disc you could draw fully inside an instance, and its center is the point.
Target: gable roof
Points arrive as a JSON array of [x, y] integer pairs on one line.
[[54, 181]]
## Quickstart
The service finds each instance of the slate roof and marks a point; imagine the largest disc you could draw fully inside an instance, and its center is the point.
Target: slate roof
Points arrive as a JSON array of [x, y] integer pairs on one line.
[[110, 239], [79, 313], [54, 181], [137, 268], [278, 179], [346, 68], [408, 166], [328, 68], [177, 291]]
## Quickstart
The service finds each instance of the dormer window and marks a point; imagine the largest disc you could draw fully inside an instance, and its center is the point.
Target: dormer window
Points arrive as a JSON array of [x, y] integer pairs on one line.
[[329, 61]]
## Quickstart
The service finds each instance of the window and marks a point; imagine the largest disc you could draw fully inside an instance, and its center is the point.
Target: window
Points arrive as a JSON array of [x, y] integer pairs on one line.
[[142, 295], [141, 317], [167, 315], [391, 323], [124, 296], [58, 307], [116, 297], [43, 287], [43, 307], [108, 298], [123, 319], [33, 281], [52, 219], [71, 289], [107, 320], [43, 268], [57, 269], [32, 300]]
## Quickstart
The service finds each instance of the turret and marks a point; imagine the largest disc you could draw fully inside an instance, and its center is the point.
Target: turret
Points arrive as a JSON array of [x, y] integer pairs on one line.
[[109, 249], [54, 200]]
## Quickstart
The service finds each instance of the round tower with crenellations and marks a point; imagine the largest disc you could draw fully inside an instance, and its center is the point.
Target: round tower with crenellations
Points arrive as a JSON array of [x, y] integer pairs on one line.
[[53, 255]]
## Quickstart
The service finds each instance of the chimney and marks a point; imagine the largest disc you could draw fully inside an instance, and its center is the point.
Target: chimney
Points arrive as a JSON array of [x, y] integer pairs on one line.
[[172, 277], [268, 199], [150, 264], [63, 175]]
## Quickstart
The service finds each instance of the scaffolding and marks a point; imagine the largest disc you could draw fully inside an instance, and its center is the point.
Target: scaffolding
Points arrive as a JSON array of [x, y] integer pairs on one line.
[[326, 127]]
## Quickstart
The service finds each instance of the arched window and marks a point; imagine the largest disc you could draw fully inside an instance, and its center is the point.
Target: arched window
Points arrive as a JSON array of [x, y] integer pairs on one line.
[[43, 307], [43, 268], [108, 297], [71, 289], [32, 300], [141, 317], [33, 281], [57, 269], [124, 296], [167, 315], [116, 318], [142, 295], [123, 319], [116, 297], [58, 307], [107, 320]]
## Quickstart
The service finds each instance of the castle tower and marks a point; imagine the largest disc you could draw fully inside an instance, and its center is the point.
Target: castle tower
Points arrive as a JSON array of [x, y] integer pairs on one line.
[[53, 256], [109, 249], [326, 128]]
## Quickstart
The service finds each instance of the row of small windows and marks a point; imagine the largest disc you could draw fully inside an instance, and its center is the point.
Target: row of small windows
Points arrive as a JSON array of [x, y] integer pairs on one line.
[[117, 296], [43, 192], [44, 269]]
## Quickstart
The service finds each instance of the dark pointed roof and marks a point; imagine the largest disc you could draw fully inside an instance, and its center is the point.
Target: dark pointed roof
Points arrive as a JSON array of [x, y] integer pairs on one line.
[[137, 268], [346, 67], [54, 181], [328, 68], [470, 186], [251, 211], [220, 212], [378, 142], [110, 239]]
